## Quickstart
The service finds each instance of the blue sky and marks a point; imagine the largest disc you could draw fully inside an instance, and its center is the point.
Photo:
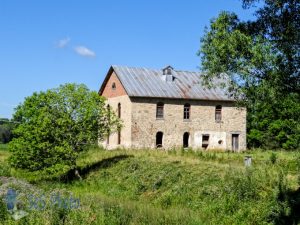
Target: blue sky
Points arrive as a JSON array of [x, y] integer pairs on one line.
[[48, 43]]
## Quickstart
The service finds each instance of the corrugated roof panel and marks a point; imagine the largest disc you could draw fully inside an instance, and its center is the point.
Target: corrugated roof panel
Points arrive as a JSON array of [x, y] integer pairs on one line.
[[143, 82]]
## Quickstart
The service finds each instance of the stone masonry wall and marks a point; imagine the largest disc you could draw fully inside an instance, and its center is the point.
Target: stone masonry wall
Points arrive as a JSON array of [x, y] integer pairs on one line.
[[126, 121], [202, 121]]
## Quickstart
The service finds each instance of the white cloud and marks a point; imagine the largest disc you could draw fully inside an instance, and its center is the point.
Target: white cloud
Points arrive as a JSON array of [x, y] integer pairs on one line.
[[63, 42], [84, 51]]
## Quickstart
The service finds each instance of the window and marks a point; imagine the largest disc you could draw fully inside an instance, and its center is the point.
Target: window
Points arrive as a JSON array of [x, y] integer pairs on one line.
[[205, 141], [108, 119], [186, 111], [169, 72], [159, 139], [119, 136], [160, 110], [119, 110], [218, 113], [113, 86]]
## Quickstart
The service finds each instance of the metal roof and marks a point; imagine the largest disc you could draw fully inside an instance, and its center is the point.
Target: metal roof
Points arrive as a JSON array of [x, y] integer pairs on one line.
[[143, 82]]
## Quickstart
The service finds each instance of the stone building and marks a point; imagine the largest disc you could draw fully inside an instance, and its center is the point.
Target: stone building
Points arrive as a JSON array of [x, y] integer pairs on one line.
[[169, 108]]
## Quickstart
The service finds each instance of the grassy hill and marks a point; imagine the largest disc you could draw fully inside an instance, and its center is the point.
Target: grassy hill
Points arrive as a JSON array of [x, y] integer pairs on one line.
[[174, 187]]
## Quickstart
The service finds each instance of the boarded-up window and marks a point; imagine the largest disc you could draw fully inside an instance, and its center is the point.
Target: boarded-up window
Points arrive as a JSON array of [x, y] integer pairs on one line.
[[160, 110], [186, 111], [218, 113]]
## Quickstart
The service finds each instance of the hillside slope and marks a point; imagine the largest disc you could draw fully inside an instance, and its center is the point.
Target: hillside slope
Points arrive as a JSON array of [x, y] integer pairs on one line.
[[181, 187]]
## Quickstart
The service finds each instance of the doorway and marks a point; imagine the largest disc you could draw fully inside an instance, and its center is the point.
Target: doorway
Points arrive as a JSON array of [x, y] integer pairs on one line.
[[186, 136], [159, 139], [235, 142]]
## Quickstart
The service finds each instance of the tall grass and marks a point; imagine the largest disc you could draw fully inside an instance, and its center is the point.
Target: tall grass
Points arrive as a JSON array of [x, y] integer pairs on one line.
[[176, 187]]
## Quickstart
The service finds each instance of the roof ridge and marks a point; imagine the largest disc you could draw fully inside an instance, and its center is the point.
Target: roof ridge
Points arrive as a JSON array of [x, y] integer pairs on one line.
[[153, 69]]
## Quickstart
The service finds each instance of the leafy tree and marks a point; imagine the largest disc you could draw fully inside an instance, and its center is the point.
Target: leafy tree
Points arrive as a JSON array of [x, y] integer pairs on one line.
[[54, 126], [262, 59]]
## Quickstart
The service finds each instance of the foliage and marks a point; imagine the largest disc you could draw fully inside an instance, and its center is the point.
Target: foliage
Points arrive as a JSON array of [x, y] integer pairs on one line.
[[3, 211], [261, 58], [5, 170], [6, 128], [56, 125]]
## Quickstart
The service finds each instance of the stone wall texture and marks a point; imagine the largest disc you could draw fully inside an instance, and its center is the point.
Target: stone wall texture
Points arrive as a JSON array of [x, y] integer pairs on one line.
[[202, 121]]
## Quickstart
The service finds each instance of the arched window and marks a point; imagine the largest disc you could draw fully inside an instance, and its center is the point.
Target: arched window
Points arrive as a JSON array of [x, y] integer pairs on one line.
[[160, 110], [113, 86], [186, 111], [218, 113], [119, 110], [186, 136], [159, 139]]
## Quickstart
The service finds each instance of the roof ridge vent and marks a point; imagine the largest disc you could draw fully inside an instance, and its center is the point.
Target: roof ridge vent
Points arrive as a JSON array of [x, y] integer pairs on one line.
[[167, 70], [168, 73]]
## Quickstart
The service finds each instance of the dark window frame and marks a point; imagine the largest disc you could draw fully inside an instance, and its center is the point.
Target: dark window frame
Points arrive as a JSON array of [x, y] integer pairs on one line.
[[119, 110], [218, 113], [113, 86], [205, 140], [187, 111], [160, 110]]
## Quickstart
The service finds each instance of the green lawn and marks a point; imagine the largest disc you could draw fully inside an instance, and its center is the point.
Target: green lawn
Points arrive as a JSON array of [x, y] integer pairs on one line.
[[178, 187]]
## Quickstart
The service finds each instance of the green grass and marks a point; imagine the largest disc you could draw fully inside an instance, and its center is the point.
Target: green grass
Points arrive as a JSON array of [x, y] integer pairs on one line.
[[177, 187], [4, 154]]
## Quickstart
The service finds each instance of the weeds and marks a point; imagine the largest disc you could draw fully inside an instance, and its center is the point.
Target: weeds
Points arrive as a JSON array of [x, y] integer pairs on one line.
[[179, 186], [273, 158]]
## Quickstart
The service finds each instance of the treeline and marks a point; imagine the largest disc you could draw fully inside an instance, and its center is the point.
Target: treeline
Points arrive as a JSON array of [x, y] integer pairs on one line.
[[6, 127], [262, 58]]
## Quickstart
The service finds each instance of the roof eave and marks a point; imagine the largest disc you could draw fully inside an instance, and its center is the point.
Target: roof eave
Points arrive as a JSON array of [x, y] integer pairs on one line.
[[175, 98], [111, 69]]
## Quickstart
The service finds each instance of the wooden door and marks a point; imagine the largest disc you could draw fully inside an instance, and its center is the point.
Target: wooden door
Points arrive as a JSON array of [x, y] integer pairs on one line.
[[235, 142]]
